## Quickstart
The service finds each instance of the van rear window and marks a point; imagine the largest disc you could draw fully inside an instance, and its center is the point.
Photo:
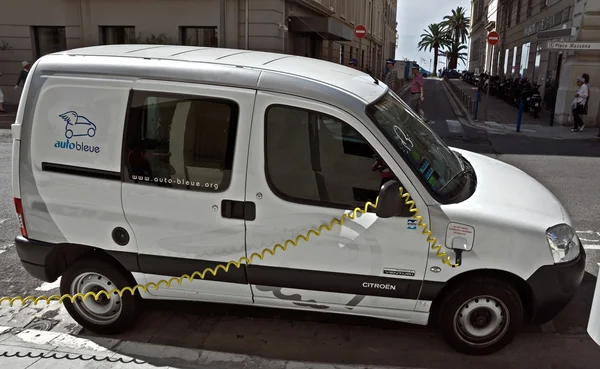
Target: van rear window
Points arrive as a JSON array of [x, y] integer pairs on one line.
[[180, 141]]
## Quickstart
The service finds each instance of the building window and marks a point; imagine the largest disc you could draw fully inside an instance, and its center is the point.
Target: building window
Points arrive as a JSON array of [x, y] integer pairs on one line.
[[316, 159], [518, 11], [529, 8], [181, 142], [49, 40], [111, 35], [525, 49], [199, 36]]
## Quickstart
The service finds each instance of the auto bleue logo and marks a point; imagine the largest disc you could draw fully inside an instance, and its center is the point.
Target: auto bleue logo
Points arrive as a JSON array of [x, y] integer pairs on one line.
[[77, 126]]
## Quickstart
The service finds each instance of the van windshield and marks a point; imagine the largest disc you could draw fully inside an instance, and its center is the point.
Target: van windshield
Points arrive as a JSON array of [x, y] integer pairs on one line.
[[438, 167]]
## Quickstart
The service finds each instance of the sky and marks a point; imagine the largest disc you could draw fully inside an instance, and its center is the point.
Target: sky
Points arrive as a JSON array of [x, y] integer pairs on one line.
[[413, 18]]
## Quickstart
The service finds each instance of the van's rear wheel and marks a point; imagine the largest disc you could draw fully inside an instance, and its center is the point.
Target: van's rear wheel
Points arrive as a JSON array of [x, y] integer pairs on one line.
[[103, 315], [480, 317]]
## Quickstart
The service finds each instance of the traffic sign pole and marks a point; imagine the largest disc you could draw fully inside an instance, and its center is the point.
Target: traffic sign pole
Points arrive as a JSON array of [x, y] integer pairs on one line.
[[493, 38], [360, 31]]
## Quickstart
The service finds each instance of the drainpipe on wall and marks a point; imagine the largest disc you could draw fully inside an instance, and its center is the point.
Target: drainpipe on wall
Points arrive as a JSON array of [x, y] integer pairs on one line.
[[283, 32], [247, 23], [223, 8], [81, 22]]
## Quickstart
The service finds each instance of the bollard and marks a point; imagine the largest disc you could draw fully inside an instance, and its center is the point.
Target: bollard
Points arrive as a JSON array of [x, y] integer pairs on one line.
[[520, 116], [477, 103]]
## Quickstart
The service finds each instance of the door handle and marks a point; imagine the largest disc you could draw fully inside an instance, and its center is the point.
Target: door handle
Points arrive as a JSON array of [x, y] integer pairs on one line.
[[232, 209]]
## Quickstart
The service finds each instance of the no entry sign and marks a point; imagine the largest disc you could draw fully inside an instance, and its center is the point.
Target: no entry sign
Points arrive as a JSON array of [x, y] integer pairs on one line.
[[493, 38], [360, 31]]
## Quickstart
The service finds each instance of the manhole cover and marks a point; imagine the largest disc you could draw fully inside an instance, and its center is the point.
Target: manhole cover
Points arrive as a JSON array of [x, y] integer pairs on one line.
[[42, 324]]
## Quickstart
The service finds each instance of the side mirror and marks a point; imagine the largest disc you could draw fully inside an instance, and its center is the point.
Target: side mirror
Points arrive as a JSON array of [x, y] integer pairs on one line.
[[389, 203]]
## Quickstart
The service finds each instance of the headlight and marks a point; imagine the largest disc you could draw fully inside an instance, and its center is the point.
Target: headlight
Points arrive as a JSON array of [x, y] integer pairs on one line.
[[563, 242]]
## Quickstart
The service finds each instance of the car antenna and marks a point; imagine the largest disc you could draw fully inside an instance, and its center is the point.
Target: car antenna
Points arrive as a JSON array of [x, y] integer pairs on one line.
[[374, 79]]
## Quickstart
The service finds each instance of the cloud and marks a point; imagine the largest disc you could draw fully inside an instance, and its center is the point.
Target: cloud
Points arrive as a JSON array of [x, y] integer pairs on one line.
[[414, 17]]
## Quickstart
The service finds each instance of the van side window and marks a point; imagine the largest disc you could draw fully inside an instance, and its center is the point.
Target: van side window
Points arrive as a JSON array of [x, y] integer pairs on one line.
[[316, 159], [180, 141]]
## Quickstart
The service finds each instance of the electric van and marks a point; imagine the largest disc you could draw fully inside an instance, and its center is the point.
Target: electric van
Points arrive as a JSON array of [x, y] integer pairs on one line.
[[186, 158]]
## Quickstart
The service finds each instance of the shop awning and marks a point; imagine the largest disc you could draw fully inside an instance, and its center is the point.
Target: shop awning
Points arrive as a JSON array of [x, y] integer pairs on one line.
[[328, 27]]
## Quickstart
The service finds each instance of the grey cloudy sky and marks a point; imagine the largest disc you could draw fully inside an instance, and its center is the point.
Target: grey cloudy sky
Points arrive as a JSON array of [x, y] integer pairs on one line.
[[413, 17]]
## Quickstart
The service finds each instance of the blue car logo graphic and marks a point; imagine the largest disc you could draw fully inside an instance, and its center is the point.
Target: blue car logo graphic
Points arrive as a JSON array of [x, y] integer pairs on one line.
[[77, 125]]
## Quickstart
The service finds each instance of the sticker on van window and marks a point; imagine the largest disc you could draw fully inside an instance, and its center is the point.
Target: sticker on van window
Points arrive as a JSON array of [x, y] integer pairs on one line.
[[77, 126], [411, 224]]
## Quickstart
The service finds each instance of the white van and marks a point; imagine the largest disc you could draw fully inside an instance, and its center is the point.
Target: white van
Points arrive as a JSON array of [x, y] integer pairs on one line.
[[139, 163]]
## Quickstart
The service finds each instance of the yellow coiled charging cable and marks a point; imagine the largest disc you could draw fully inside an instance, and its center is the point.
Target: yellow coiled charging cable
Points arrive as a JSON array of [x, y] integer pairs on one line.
[[404, 195]]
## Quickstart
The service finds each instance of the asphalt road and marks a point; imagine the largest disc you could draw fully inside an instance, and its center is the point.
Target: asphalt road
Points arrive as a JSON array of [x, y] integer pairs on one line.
[[569, 168]]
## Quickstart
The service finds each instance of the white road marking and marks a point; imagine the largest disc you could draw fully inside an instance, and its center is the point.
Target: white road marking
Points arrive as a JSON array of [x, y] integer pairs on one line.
[[49, 286], [454, 126], [589, 239], [591, 247]]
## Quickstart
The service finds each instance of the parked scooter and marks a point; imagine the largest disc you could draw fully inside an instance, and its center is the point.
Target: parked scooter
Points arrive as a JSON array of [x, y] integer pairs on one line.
[[536, 100]]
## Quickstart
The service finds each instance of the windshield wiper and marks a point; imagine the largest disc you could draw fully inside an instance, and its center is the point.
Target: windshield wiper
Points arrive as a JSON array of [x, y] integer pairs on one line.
[[467, 169], [460, 159]]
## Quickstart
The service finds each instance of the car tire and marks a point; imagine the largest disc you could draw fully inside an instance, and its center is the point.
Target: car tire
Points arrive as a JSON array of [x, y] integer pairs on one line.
[[481, 316], [68, 134], [108, 316]]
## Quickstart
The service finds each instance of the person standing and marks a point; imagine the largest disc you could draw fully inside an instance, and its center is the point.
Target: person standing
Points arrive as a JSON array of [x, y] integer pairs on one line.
[[578, 105], [417, 91], [391, 77], [586, 80]]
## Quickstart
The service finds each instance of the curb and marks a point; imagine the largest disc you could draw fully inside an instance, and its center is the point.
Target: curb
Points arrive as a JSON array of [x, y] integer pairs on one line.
[[28, 345], [459, 109]]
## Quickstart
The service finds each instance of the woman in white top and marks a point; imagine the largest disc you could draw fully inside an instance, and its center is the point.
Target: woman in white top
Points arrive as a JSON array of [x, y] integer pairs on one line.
[[577, 107]]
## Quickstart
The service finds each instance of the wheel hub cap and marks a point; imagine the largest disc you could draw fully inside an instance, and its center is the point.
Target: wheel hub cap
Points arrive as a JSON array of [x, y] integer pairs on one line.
[[100, 310], [481, 321]]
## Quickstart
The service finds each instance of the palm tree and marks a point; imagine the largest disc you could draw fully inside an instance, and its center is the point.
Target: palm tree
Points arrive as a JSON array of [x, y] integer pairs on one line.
[[434, 38], [455, 52], [457, 25]]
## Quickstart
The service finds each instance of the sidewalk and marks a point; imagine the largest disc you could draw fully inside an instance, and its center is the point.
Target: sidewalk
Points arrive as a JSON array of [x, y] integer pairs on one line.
[[8, 118], [498, 117], [33, 349]]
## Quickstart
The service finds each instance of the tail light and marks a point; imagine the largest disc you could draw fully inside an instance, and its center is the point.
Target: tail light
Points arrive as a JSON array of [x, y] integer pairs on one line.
[[19, 208]]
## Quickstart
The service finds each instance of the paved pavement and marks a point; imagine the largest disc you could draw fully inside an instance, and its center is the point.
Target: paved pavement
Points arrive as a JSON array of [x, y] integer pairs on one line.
[[499, 117], [568, 167]]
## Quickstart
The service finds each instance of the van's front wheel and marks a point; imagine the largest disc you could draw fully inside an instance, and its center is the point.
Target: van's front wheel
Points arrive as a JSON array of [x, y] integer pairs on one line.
[[103, 315], [480, 317]]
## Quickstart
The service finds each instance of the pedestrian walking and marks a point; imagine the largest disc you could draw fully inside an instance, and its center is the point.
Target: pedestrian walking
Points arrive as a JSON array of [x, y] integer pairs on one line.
[[417, 92], [23, 75], [579, 105], [391, 77]]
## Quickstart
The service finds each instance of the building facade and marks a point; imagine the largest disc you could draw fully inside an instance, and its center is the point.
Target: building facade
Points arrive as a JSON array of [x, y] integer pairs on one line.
[[321, 29], [526, 27], [483, 21]]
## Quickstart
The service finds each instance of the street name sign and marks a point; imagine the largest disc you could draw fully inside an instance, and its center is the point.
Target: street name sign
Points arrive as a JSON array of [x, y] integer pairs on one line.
[[554, 45]]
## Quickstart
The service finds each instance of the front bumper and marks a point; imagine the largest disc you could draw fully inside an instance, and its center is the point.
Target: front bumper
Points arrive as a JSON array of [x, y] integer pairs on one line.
[[553, 287]]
